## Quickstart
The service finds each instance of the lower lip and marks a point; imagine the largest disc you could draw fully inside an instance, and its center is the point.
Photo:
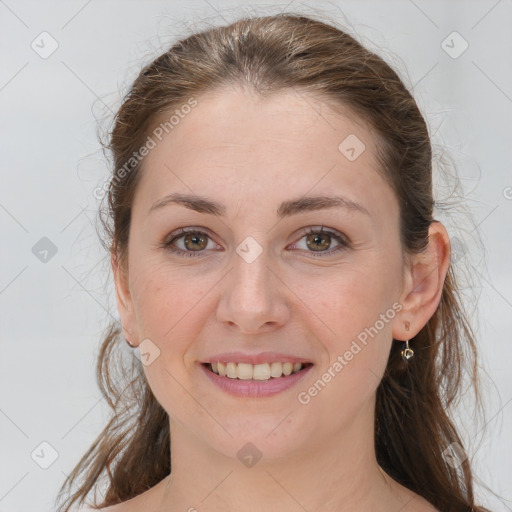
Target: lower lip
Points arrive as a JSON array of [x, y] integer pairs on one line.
[[255, 388]]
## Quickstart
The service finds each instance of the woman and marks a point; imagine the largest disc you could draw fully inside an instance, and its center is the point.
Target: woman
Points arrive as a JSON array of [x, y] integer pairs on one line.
[[278, 268]]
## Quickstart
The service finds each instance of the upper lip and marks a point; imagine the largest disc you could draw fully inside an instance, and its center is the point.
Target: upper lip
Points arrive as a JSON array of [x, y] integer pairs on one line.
[[262, 357]]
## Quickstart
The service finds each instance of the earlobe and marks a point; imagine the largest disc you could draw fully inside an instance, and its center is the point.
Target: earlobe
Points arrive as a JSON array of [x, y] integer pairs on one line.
[[423, 283]]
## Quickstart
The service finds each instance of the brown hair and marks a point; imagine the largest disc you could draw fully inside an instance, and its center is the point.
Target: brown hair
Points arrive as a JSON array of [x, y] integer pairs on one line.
[[269, 54]]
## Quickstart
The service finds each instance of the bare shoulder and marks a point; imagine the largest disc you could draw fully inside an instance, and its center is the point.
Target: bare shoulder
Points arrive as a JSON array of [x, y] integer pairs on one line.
[[417, 503], [113, 508], [119, 507], [125, 506], [410, 501], [148, 500], [425, 506]]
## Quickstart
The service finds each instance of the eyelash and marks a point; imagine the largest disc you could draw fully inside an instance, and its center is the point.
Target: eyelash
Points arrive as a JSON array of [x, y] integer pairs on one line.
[[343, 241]]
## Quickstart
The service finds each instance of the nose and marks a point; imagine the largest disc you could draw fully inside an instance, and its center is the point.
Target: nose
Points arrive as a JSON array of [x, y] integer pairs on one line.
[[254, 298]]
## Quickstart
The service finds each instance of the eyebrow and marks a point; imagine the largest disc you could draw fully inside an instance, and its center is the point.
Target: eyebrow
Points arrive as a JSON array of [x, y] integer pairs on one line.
[[286, 209]]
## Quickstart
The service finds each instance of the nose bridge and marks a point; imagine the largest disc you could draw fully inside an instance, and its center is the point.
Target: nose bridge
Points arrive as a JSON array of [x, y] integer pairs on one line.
[[250, 285], [251, 298]]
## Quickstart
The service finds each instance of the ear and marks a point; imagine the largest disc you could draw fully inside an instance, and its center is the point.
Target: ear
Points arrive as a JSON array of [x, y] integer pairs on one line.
[[124, 299], [423, 283]]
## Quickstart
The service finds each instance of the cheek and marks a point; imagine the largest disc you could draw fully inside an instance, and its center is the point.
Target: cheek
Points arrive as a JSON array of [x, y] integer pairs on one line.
[[357, 306], [171, 310], [164, 301], [357, 343], [352, 300], [168, 311]]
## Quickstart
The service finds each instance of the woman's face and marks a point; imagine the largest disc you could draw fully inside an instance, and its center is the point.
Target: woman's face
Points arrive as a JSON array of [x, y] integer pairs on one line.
[[249, 278]]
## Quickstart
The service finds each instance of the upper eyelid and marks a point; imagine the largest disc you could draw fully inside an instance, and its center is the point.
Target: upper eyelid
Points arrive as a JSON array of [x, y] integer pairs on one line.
[[181, 232]]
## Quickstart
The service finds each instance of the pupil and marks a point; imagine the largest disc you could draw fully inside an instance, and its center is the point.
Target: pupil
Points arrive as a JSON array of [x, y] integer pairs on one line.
[[196, 239], [316, 241]]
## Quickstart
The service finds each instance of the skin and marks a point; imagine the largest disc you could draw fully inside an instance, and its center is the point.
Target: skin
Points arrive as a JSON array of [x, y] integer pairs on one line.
[[251, 154]]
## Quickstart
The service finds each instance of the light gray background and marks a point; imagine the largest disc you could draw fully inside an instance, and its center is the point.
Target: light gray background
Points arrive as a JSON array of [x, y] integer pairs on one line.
[[52, 313]]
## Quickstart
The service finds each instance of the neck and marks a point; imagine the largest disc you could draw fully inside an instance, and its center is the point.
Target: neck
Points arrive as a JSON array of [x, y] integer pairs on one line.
[[340, 475]]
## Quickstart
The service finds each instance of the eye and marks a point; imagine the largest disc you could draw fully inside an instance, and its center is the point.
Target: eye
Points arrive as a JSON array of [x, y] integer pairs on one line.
[[186, 242], [192, 242], [318, 240]]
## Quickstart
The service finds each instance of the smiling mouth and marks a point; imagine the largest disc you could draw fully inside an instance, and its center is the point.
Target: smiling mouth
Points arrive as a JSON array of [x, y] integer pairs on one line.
[[261, 372]]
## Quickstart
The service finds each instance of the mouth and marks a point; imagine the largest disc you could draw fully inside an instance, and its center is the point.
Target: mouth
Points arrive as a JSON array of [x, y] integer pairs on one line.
[[261, 380], [256, 372]]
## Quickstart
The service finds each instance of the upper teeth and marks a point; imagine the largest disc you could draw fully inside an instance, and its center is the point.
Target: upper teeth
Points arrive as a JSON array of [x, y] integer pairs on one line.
[[258, 371]]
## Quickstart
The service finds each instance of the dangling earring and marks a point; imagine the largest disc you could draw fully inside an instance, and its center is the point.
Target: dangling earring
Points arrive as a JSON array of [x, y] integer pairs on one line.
[[407, 352]]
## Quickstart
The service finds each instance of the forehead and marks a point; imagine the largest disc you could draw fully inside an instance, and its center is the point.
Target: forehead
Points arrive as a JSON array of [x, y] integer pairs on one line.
[[241, 116], [234, 140]]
